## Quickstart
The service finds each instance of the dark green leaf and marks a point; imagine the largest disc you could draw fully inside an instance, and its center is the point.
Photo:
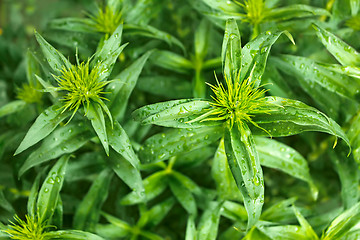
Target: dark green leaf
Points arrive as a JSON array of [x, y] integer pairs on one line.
[[209, 222], [12, 107], [183, 195], [55, 59], [66, 139], [165, 145], [88, 212], [231, 50], [73, 235], [344, 53], [274, 154], [43, 126], [288, 117], [245, 166], [50, 189], [124, 83]]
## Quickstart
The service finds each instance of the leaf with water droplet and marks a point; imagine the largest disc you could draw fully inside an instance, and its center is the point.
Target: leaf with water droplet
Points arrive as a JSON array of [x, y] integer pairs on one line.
[[50, 189]]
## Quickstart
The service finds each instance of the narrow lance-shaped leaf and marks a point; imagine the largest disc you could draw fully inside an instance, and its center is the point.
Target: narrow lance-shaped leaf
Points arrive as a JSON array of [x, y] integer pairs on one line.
[[64, 140], [343, 223], [343, 52], [122, 86], [127, 172], [109, 52], [55, 59], [245, 166], [231, 50], [191, 233], [183, 195], [178, 113], [31, 205], [154, 185], [225, 182], [347, 169], [165, 145], [274, 154], [88, 212], [306, 227], [43, 126], [255, 53], [50, 190], [73, 235], [209, 222], [201, 39], [294, 11], [95, 114], [12, 107], [288, 117]]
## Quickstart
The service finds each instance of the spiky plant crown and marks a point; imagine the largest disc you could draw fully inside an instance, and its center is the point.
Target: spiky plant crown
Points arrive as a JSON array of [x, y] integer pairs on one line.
[[354, 23], [82, 84], [30, 229], [29, 93], [237, 102], [106, 20], [254, 10]]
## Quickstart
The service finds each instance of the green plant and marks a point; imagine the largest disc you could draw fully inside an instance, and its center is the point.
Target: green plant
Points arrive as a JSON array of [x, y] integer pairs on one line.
[[191, 129]]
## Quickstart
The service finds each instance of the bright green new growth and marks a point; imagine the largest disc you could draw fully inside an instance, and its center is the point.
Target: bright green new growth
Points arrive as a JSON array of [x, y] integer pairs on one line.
[[28, 230], [81, 85], [106, 20], [237, 102], [29, 93], [254, 10], [354, 23]]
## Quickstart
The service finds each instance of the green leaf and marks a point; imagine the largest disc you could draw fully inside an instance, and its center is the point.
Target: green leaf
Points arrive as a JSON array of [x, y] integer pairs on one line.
[[222, 5], [225, 182], [294, 11], [129, 173], [347, 170], [201, 39], [281, 211], [109, 52], [306, 227], [50, 189], [344, 53], [191, 233], [287, 232], [55, 59], [122, 86], [234, 211], [87, 213], [12, 107], [288, 117], [313, 73], [209, 222], [355, 5], [274, 154], [122, 227], [167, 86], [120, 142], [177, 113], [73, 24], [45, 123], [343, 223], [245, 166], [171, 61], [64, 140], [154, 185], [157, 213], [31, 204], [4, 203], [95, 114], [149, 31], [165, 145], [73, 235], [231, 50], [255, 53], [186, 182], [183, 195]]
